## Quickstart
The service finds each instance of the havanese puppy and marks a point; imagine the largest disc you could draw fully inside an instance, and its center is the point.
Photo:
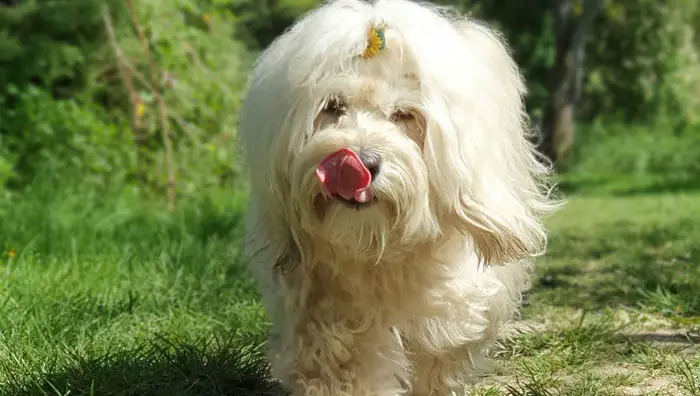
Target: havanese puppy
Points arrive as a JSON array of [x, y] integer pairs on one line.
[[396, 200]]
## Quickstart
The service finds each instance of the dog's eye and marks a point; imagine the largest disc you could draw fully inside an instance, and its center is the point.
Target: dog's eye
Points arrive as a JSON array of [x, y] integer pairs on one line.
[[335, 106], [402, 116]]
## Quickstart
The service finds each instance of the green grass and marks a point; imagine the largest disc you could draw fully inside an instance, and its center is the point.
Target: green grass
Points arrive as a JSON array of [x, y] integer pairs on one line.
[[110, 295], [615, 307]]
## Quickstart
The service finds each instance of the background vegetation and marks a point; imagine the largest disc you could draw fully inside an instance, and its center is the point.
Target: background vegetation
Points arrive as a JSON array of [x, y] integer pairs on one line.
[[120, 202]]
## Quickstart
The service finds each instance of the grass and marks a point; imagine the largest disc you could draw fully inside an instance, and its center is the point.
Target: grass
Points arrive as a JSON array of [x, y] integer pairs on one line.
[[104, 293], [614, 308]]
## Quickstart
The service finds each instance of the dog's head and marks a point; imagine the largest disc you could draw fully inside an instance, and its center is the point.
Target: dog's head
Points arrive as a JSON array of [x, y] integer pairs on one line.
[[368, 127]]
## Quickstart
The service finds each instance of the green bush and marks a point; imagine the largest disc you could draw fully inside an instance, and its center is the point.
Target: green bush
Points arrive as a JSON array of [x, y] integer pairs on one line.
[[639, 150], [529, 29], [642, 58], [259, 22], [42, 133], [643, 63], [195, 46], [51, 44], [63, 104]]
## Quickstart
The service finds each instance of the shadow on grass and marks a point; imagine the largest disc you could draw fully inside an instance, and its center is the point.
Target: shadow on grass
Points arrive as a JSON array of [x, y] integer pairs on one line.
[[163, 369], [652, 267]]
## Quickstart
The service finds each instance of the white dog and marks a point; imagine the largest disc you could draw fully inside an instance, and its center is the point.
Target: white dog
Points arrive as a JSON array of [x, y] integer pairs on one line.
[[396, 201]]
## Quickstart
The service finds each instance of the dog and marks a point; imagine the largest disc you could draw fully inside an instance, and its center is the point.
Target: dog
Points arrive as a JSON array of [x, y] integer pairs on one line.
[[396, 198]]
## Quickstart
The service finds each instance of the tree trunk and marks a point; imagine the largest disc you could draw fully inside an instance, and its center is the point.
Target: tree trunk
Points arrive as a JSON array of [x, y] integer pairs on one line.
[[566, 77]]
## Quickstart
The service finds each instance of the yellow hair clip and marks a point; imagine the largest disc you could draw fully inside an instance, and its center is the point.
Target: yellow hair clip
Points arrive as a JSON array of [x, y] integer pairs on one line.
[[375, 43]]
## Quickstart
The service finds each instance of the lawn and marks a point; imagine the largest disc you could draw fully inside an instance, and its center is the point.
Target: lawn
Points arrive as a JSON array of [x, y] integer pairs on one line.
[[104, 293], [615, 308]]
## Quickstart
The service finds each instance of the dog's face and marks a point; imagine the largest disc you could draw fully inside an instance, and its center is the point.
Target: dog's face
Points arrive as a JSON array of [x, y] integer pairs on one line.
[[380, 119], [424, 139]]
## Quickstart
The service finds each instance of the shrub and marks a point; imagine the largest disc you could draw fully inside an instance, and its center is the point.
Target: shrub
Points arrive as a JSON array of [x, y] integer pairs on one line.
[[63, 104], [638, 150], [643, 62]]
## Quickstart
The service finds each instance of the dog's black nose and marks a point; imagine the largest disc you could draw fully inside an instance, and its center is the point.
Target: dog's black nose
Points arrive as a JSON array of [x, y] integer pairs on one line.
[[371, 161]]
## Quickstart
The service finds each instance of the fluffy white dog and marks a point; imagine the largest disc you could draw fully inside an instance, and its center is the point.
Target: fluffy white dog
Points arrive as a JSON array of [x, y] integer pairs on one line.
[[396, 201]]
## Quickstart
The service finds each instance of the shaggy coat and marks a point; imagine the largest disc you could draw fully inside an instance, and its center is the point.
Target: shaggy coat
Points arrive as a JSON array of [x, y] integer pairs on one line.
[[401, 295]]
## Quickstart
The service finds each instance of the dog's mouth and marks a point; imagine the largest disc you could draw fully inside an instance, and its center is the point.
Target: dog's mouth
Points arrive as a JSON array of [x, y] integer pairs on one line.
[[323, 201], [354, 204]]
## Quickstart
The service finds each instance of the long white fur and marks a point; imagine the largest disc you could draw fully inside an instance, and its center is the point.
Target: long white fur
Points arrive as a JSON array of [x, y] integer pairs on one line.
[[403, 297]]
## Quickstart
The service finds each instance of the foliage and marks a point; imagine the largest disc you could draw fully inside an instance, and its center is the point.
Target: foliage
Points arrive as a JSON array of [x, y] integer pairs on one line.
[[62, 103], [40, 132], [259, 22], [46, 50], [50, 44], [207, 70], [529, 30], [635, 150], [643, 62], [623, 158]]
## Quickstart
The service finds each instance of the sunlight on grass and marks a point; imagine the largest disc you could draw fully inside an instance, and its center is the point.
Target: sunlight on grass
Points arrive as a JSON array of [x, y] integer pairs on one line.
[[118, 282], [105, 292], [614, 302]]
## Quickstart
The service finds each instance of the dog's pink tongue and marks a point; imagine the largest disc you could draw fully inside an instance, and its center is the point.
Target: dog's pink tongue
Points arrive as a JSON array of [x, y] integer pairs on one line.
[[342, 173]]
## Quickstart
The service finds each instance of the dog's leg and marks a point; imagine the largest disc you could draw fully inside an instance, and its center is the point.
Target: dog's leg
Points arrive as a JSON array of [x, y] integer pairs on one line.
[[444, 372], [342, 358], [447, 351]]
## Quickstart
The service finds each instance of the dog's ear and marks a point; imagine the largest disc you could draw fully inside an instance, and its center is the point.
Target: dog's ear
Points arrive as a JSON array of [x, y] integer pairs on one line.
[[268, 244], [287, 256], [485, 171]]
